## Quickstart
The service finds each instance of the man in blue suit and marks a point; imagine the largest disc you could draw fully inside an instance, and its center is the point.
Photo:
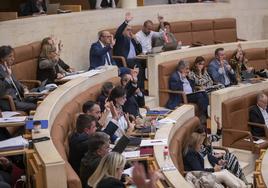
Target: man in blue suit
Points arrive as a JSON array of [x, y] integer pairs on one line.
[[179, 81], [129, 47], [101, 53], [220, 70]]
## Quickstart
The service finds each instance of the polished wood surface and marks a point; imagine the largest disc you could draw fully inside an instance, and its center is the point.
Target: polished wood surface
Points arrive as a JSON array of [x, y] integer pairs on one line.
[[180, 115]]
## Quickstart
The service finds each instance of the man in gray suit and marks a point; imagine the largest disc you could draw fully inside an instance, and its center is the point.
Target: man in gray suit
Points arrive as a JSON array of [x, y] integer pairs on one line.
[[220, 70]]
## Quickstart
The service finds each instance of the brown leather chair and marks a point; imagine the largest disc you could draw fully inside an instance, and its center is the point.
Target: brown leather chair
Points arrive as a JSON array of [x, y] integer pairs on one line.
[[225, 30], [236, 129], [202, 32], [182, 32], [257, 58]]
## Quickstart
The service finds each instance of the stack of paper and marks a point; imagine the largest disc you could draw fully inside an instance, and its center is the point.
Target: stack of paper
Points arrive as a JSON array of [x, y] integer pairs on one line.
[[13, 119], [85, 74], [13, 143], [154, 142]]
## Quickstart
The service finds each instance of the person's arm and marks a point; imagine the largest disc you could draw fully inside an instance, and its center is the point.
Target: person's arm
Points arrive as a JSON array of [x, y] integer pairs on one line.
[[97, 50], [175, 83], [194, 163], [214, 73], [122, 27]]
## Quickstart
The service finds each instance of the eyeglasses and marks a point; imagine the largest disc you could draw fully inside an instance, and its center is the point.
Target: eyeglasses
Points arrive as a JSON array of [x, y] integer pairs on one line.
[[106, 36]]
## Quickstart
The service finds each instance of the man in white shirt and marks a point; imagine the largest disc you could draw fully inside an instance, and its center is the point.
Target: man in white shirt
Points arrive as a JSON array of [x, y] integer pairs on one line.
[[145, 35], [259, 114]]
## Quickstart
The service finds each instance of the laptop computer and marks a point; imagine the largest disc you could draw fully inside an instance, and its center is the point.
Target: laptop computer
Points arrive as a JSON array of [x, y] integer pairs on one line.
[[121, 144], [170, 46], [53, 8]]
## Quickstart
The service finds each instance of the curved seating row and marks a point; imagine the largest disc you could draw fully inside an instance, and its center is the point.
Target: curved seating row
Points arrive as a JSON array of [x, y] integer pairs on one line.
[[59, 108]]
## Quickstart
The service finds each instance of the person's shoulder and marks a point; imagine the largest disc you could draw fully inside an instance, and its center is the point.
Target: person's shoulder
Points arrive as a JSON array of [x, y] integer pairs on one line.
[[253, 108], [108, 182]]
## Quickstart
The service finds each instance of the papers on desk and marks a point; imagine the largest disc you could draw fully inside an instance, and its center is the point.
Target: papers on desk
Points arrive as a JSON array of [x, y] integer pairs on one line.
[[13, 119], [8, 114], [13, 143], [85, 74], [185, 47], [259, 141], [166, 120], [154, 142], [131, 154]]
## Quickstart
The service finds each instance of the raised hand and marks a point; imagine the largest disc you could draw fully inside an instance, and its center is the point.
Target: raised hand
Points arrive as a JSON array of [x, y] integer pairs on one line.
[[112, 42], [160, 18], [113, 111], [128, 17], [217, 120]]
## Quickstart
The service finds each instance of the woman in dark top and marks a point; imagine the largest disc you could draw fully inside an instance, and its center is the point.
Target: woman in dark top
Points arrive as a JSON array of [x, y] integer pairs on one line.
[[192, 159], [109, 172], [34, 7]]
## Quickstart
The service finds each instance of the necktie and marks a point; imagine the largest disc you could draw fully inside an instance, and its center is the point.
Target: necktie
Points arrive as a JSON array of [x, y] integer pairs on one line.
[[108, 59]]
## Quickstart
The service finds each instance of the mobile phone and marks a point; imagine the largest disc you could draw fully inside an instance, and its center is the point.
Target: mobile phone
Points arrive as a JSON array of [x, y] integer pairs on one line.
[[41, 139]]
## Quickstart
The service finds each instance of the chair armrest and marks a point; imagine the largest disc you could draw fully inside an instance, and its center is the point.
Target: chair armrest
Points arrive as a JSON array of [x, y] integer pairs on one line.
[[221, 148], [10, 101], [238, 39], [218, 42], [121, 59], [256, 124], [198, 44], [31, 83], [234, 131], [182, 93]]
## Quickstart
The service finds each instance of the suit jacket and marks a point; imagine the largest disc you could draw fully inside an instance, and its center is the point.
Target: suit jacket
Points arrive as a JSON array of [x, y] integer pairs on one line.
[[30, 8], [122, 45], [176, 84], [97, 55], [193, 161], [213, 69], [256, 116]]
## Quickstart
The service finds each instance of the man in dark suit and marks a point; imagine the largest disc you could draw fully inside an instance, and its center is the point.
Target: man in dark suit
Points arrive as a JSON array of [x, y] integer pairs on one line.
[[259, 114], [12, 86], [101, 53], [128, 46], [220, 70], [78, 141], [180, 82]]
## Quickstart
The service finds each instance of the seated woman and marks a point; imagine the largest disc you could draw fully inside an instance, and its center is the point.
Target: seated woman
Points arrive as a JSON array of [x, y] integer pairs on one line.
[[48, 67], [231, 161], [200, 75], [12, 86], [58, 45], [118, 97], [109, 172], [194, 161], [33, 7], [238, 63]]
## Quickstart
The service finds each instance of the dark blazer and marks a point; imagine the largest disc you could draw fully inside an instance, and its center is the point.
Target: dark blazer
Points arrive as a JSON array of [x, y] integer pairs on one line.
[[193, 161], [176, 84], [97, 55], [30, 8], [89, 164], [78, 144], [122, 45], [110, 182], [255, 116]]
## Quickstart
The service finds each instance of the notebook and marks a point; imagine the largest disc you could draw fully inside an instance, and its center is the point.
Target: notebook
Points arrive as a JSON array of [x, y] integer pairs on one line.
[[13, 143], [121, 144], [110, 129]]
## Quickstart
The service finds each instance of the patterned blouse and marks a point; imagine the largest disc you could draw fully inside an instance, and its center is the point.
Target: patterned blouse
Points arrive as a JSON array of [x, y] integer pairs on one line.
[[203, 80]]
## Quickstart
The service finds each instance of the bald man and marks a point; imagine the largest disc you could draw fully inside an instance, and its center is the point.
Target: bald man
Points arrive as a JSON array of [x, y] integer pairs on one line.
[[259, 114]]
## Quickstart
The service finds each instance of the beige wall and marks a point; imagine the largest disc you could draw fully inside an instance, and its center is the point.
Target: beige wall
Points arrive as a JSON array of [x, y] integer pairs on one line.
[[78, 30]]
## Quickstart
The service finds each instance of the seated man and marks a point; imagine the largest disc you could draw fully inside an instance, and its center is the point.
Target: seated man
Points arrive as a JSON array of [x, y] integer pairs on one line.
[[258, 114], [220, 70], [101, 53], [129, 47], [33, 7], [179, 81], [13, 87], [85, 127], [98, 147], [105, 92]]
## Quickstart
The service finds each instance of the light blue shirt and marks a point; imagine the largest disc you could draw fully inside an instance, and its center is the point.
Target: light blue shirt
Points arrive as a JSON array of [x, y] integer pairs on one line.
[[186, 85], [132, 51]]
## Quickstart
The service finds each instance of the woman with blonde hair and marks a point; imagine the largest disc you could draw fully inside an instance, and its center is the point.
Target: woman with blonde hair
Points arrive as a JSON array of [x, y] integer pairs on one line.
[[109, 171], [48, 67]]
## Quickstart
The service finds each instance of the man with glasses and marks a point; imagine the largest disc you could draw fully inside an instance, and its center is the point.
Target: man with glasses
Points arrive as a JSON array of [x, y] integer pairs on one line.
[[101, 53], [220, 70]]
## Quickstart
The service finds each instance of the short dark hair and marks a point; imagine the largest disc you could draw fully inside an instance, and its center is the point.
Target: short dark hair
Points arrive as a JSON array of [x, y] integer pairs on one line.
[[147, 22], [217, 50], [106, 87], [88, 106], [5, 51], [96, 141], [117, 92], [84, 121], [181, 65]]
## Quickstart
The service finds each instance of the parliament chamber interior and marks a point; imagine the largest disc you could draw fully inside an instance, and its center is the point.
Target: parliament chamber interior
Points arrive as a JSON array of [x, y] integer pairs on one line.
[[133, 94]]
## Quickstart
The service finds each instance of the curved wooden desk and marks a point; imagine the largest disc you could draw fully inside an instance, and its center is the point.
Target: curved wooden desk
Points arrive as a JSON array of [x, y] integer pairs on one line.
[[48, 109], [264, 168], [180, 115]]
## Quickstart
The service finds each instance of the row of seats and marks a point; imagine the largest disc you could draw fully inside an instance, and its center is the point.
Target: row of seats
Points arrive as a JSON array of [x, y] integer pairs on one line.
[[198, 32], [236, 128], [257, 176], [64, 125], [257, 58]]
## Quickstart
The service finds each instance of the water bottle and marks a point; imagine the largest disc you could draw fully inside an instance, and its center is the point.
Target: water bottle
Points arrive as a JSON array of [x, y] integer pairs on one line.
[[166, 156]]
